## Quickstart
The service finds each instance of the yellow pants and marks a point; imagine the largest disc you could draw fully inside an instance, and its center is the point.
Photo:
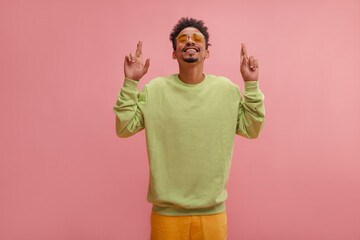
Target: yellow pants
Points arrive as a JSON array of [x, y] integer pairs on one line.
[[194, 227]]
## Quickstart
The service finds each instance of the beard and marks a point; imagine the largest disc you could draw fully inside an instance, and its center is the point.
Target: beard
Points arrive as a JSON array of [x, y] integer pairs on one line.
[[190, 60]]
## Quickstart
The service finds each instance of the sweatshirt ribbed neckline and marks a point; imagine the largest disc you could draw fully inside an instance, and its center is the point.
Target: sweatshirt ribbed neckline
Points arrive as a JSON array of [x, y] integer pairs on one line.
[[202, 83]]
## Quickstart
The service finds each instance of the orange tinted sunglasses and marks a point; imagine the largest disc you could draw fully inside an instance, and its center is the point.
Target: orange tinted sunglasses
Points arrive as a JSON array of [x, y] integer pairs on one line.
[[197, 37]]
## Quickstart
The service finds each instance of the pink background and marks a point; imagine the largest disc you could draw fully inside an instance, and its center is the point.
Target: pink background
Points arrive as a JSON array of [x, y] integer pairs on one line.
[[64, 174]]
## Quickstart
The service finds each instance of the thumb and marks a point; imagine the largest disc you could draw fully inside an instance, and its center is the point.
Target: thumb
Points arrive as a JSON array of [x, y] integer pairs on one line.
[[125, 61], [146, 66]]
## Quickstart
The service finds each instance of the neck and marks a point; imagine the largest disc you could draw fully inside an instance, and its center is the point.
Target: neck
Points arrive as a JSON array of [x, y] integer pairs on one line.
[[191, 73]]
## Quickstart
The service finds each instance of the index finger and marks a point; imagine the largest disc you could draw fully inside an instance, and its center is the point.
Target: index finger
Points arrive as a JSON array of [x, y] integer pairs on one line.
[[243, 50], [138, 49]]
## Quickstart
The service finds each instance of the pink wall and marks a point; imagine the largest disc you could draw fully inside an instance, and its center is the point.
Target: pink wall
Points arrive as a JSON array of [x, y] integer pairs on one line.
[[65, 175]]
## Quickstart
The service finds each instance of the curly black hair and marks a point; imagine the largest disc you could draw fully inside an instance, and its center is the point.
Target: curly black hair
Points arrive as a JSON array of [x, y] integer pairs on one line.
[[189, 22]]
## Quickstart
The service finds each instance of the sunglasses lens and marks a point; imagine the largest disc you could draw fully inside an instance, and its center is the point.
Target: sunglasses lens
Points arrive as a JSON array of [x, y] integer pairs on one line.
[[197, 37], [182, 38]]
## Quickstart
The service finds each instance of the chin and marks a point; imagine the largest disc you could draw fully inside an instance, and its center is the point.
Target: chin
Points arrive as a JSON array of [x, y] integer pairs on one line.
[[190, 60]]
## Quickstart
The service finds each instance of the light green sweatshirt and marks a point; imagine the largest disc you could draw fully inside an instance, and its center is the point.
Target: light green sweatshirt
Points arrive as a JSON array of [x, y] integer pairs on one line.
[[190, 131]]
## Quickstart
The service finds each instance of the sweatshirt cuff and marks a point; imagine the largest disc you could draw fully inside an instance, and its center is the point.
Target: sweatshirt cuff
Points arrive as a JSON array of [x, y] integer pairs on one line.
[[251, 86], [130, 84]]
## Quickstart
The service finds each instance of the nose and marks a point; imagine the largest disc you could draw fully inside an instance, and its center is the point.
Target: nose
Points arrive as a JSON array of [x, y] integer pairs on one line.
[[190, 40]]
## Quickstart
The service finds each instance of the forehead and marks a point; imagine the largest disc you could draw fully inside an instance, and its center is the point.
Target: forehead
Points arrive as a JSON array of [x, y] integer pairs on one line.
[[189, 30]]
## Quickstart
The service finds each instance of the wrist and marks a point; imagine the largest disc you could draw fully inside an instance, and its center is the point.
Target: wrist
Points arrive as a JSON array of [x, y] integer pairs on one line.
[[250, 80], [132, 78]]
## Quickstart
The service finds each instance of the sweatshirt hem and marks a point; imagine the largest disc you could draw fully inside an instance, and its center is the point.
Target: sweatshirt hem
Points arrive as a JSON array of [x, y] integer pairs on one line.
[[177, 211]]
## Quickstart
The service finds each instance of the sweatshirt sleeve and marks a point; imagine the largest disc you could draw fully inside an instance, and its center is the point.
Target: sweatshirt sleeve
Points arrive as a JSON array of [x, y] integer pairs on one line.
[[129, 109], [251, 113]]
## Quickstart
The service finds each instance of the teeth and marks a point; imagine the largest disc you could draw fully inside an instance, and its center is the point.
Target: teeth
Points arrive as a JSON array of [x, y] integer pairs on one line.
[[191, 50]]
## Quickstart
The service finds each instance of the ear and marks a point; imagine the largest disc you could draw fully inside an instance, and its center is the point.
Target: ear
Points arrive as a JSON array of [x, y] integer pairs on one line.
[[174, 55], [207, 55]]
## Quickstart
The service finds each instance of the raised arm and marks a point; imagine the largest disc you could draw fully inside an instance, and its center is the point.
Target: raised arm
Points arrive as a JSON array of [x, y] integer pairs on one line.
[[130, 104], [251, 113]]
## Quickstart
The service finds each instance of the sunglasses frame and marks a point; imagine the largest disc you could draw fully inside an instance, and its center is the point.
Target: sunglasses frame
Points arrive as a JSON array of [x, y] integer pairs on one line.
[[192, 37]]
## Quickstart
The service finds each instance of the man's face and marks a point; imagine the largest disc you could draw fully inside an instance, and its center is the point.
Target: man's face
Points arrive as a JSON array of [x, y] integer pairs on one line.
[[191, 51]]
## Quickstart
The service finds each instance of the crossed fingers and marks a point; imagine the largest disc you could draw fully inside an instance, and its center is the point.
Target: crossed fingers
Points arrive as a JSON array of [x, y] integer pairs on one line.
[[251, 62], [138, 54]]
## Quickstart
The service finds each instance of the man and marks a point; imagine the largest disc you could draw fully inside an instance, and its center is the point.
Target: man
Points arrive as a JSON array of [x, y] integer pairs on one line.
[[190, 120]]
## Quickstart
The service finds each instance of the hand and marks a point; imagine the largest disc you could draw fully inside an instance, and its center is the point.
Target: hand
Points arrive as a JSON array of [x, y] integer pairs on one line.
[[249, 67], [133, 65]]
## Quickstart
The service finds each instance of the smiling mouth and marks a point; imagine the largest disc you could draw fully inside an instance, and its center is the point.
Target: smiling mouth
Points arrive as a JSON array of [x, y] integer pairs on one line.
[[191, 49]]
